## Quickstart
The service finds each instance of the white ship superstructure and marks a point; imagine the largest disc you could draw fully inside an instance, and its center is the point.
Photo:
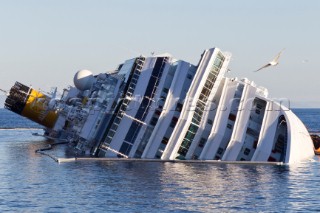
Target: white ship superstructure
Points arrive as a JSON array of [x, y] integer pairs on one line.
[[162, 108]]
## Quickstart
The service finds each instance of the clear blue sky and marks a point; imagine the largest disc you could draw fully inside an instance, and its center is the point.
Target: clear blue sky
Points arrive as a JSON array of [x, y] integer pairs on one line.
[[43, 43]]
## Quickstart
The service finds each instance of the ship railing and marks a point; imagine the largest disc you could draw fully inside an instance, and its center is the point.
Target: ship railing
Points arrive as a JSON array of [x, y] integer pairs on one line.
[[113, 150]]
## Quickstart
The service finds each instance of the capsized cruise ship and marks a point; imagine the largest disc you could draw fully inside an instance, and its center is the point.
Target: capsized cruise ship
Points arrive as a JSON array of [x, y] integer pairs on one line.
[[160, 107]]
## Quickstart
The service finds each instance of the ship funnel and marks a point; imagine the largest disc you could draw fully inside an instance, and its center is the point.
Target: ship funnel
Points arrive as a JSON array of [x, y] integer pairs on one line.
[[31, 104]]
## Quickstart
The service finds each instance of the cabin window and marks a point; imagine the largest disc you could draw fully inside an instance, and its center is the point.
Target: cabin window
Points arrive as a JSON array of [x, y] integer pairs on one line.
[[232, 117], [111, 133], [179, 107], [134, 81], [157, 112], [246, 151], [217, 157], [202, 142], [153, 121], [164, 140], [173, 122], [259, 106], [195, 157]]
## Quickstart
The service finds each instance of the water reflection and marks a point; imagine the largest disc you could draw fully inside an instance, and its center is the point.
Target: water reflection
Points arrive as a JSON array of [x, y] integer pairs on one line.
[[30, 181]]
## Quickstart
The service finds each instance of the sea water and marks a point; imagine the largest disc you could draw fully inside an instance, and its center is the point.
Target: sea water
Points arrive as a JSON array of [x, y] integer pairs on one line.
[[30, 182]]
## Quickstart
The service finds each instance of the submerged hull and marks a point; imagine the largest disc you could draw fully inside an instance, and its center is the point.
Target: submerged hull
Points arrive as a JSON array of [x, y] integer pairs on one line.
[[163, 108]]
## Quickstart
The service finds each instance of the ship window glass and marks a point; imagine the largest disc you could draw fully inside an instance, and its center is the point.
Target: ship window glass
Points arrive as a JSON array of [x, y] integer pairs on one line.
[[158, 155], [179, 107], [232, 117], [153, 121], [200, 106], [123, 107], [111, 133], [251, 132], [195, 121], [215, 70], [124, 104], [189, 136], [217, 157], [135, 76], [126, 101], [186, 143], [197, 117], [217, 63], [114, 126], [157, 112], [220, 56], [130, 90], [175, 119], [162, 98], [193, 128], [203, 98], [210, 81], [165, 90], [189, 76], [229, 126], [164, 140], [205, 92], [133, 130], [210, 122], [208, 84], [108, 139], [198, 113], [246, 151], [136, 72], [257, 111], [182, 151], [212, 77], [202, 142], [195, 157], [117, 120], [220, 150], [134, 81], [259, 106], [173, 122], [125, 148]]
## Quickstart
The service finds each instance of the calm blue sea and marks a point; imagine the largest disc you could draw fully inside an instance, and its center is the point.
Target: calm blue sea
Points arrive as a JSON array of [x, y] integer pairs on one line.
[[31, 182]]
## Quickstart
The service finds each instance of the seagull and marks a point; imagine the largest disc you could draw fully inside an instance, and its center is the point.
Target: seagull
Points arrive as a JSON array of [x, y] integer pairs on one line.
[[274, 62]]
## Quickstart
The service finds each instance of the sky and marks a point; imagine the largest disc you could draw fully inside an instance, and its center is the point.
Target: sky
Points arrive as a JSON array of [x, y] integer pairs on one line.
[[44, 43]]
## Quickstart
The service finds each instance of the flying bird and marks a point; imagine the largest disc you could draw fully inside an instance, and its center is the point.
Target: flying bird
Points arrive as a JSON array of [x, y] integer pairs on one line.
[[274, 62]]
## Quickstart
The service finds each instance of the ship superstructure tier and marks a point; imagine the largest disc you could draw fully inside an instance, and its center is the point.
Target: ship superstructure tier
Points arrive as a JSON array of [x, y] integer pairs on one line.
[[162, 108]]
